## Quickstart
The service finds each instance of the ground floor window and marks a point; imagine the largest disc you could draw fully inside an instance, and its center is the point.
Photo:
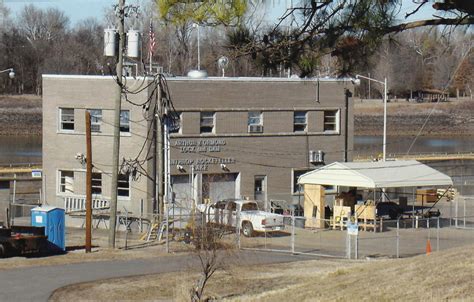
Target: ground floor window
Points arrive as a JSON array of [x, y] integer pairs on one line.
[[97, 183], [123, 185], [259, 186], [295, 187], [66, 181]]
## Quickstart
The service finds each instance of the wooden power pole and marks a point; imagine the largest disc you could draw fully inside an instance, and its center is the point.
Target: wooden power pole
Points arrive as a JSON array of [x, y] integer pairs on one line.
[[118, 106], [88, 183]]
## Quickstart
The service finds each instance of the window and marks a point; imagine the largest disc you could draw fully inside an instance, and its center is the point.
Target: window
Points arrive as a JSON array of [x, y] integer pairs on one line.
[[331, 121], [207, 122], [67, 119], [299, 121], [259, 185], [255, 122], [97, 183], [66, 181], [123, 185], [296, 187], [96, 119], [125, 121], [176, 123]]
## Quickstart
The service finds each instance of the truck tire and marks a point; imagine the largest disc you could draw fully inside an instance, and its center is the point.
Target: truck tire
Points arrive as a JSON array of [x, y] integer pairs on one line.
[[247, 229], [3, 252]]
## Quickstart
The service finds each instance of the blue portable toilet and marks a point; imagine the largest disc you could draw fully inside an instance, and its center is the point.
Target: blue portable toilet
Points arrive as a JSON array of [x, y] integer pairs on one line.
[[53, 221]]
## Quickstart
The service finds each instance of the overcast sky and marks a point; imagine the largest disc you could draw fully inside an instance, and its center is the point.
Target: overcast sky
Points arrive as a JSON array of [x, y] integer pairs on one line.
[[78, 10]]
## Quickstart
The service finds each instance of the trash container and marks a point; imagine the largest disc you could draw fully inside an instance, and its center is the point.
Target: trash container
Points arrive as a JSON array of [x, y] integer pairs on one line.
[[53, 221]]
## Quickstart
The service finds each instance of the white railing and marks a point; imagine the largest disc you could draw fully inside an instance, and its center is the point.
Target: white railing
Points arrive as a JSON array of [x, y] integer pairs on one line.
[[78, 203]]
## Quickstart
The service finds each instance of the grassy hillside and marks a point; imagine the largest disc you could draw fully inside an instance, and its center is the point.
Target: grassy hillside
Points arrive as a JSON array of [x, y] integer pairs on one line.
[[440, 276]]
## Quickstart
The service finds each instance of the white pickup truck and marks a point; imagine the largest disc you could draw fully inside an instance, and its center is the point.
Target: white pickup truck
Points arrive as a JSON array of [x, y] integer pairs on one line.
[[251, 219]]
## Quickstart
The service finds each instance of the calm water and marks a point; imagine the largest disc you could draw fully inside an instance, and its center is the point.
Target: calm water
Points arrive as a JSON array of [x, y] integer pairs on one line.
[[21, 149], [372, 145]]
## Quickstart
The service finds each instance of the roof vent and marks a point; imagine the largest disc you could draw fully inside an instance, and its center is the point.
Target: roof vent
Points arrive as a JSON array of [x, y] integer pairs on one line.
[[197, 74]]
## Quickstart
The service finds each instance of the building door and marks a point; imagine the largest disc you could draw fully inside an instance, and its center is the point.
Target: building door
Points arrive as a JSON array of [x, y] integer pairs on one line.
[[260, 189], [217, 187]]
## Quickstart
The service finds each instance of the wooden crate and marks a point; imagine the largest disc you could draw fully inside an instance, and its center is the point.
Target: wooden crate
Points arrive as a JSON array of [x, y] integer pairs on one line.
[[426, 195]]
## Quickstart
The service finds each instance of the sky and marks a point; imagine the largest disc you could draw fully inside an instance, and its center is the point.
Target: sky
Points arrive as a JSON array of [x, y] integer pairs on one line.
[[78, 10]]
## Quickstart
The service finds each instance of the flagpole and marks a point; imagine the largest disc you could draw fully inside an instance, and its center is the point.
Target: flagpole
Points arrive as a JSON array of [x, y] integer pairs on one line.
[[150, 51]]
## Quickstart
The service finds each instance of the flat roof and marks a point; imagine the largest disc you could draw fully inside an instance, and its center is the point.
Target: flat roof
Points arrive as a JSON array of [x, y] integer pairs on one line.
[[388, 174], [220, 79]]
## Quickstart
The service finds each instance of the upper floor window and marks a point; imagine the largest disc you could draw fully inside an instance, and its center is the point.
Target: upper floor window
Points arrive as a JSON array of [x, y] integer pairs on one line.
[[255, 121], [97, 183], [125, 121], [66, 181], [331, 121], [176, 123], [207, 122], [66, 119], [299, 121], [96, 119]]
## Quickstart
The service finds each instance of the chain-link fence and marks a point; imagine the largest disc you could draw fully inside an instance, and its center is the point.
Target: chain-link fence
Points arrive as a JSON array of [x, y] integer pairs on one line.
[[392, 238], [20, 214]]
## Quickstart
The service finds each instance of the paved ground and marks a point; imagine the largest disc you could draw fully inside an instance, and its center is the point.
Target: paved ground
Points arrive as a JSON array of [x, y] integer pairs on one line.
[[38, 283]]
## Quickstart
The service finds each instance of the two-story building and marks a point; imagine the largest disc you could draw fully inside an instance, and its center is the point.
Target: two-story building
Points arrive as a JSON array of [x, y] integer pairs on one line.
[[237, 137]]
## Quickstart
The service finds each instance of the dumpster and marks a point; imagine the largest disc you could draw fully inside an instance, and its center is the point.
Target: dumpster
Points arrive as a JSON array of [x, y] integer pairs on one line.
[[53, 221]]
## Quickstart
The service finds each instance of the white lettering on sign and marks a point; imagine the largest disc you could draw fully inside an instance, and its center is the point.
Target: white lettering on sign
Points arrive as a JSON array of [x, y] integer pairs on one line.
[[200, 146]]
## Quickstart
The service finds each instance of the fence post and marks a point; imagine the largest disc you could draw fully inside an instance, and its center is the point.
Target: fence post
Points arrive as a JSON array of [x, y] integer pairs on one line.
[[456, 212], [398, 237], [464, 213], [356, 246], [437, 236], [348, 246], [293, 234], [238, 224]]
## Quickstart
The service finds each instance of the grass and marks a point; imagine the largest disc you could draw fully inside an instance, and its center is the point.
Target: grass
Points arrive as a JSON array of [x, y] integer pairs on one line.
[[447, 275]]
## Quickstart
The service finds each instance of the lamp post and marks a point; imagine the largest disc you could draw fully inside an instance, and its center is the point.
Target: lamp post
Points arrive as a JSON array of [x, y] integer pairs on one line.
[[384, 83], [11, 72], [195, 25]]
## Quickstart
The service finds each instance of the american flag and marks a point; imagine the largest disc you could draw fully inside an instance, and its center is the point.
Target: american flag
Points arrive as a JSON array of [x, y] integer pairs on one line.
[[151, 41]]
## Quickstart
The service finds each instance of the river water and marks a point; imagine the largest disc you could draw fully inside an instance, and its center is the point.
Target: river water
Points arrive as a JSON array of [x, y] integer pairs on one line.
[[25, 149]]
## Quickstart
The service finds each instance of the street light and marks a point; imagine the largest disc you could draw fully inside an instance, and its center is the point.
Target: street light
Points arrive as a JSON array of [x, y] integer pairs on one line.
[[384, 83], [11, 73], [195, 25]]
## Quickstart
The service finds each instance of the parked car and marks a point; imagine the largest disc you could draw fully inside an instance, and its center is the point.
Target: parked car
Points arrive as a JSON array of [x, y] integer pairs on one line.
[[250, 218]]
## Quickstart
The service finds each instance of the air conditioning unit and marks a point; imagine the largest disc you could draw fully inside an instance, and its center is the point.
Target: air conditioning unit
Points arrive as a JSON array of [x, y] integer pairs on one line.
[[316, 157], [255, 128]]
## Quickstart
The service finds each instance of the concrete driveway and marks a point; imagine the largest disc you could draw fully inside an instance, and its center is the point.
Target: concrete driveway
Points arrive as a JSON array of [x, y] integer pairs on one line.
[[38, 283]]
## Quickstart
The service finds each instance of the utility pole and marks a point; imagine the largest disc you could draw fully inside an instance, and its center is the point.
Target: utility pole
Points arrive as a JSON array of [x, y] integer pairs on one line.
[[348, 94], [88, 183], [116, 147]]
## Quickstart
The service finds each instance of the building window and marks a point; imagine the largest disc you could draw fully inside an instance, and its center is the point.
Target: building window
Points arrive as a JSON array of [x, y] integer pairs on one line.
[[125, 121], [207, 122], [66, 181], [123, 185], [331, 121], [259, 185], [67, 119], [97, 183], [176, 123], [299, 121], [96, 119], [296, 188], [255, 122]]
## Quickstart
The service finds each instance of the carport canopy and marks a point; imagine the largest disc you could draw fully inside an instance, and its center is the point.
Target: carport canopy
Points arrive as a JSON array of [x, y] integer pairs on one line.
[[372, 175]]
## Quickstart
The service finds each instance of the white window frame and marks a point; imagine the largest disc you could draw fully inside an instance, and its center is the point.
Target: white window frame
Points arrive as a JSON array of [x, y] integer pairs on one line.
[[62, 122], [299, 124], [123, 123], [335, 123], [255, 115], [62, 181], [96, 120], [203, 123], [123, 188]]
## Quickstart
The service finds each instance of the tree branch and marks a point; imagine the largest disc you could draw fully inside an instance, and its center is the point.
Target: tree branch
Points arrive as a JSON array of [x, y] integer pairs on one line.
[[429, 22]]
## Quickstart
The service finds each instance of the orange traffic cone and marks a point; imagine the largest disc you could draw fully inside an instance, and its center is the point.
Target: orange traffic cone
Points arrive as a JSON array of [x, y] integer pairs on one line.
[[428, 247]]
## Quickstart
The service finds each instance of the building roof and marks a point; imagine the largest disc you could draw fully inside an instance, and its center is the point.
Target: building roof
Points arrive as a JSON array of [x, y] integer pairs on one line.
[[223, 79], [389, 174]]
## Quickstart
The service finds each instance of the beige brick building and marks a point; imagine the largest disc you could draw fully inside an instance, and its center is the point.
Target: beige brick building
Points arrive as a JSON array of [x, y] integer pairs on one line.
[[237, 137]]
